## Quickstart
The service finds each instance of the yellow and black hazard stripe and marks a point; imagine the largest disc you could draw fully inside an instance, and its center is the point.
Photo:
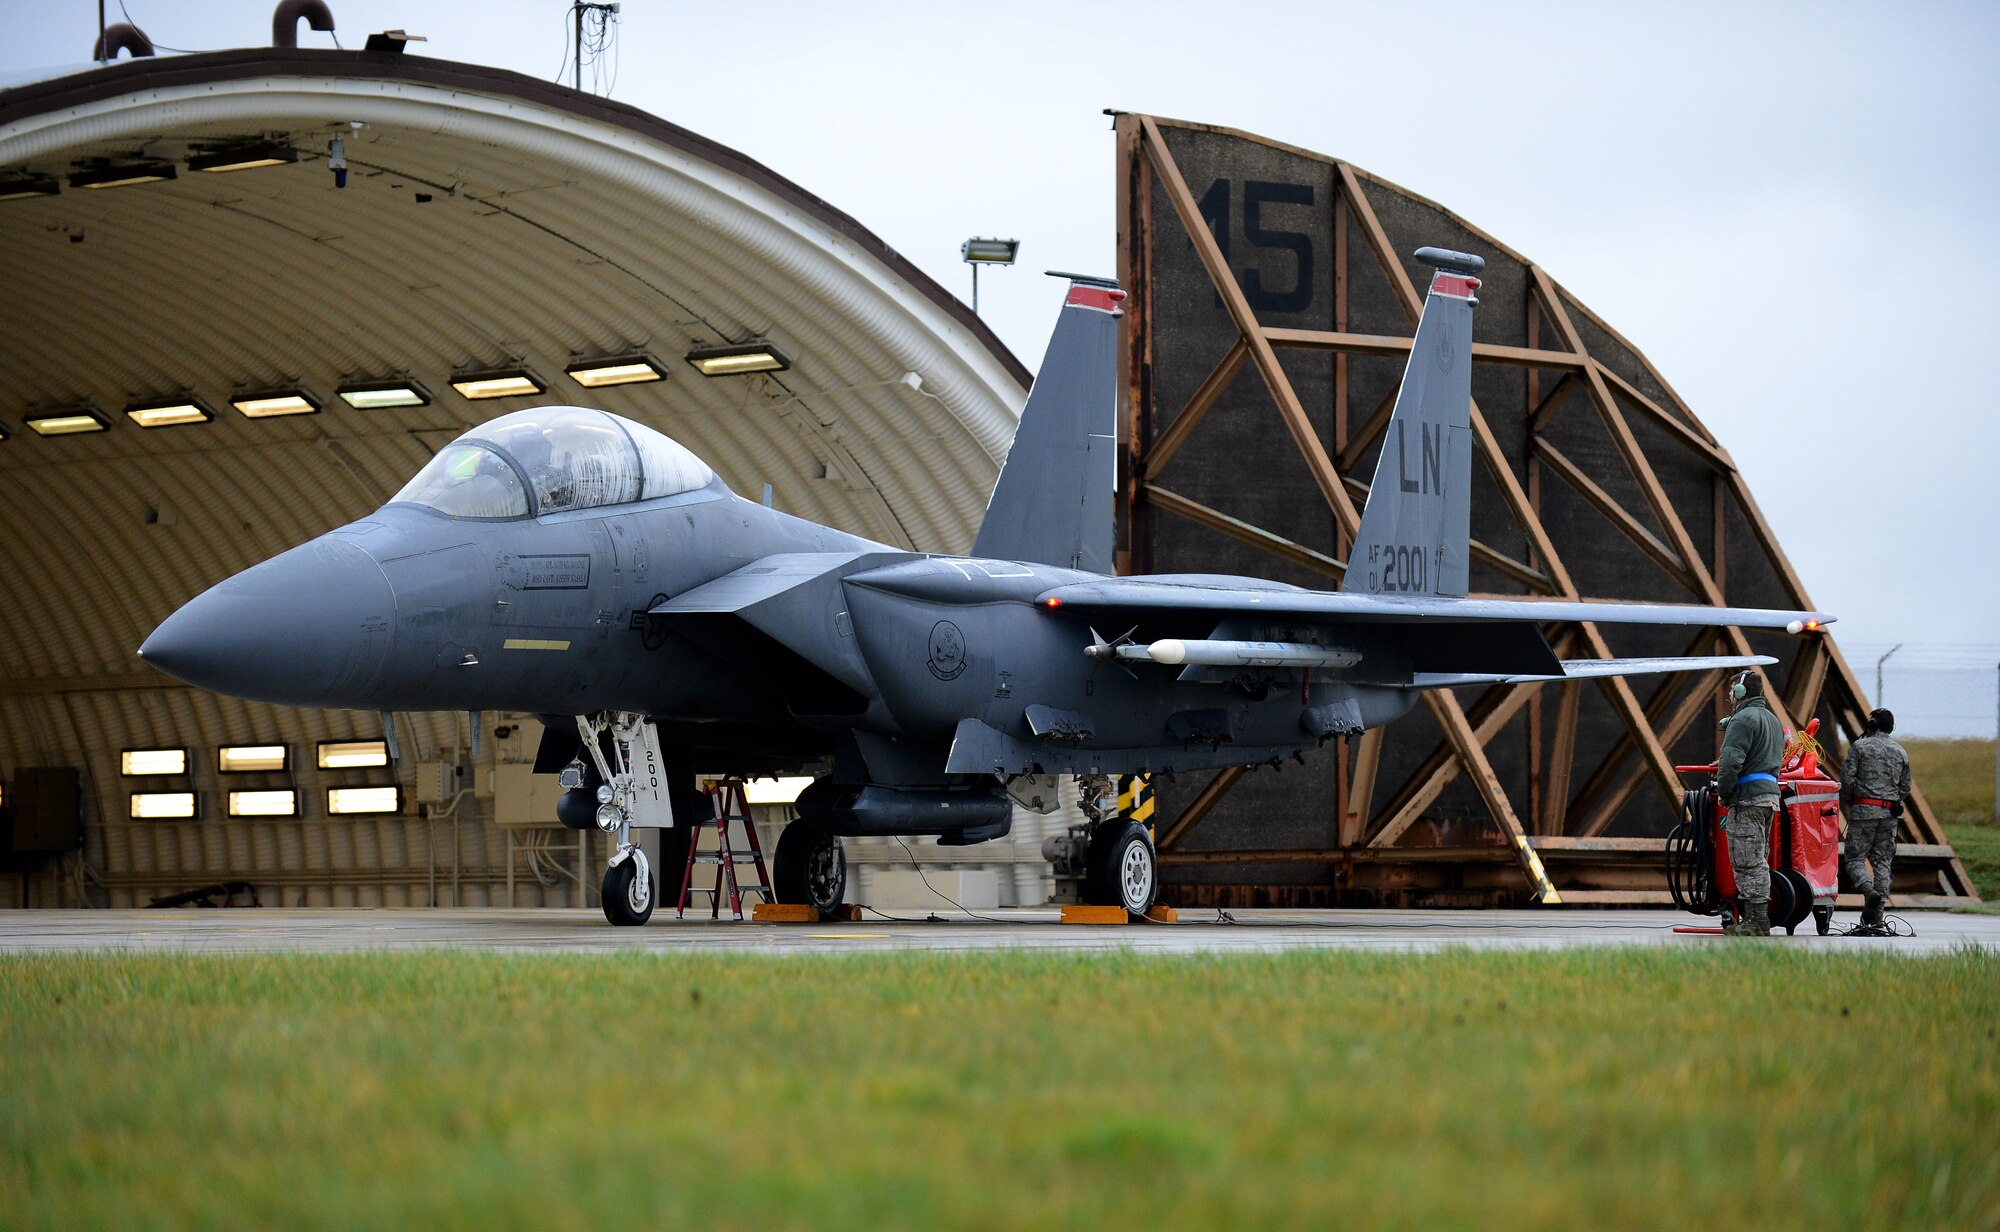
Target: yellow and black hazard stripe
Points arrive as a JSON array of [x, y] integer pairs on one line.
[[1135, 799], [1545, 890]]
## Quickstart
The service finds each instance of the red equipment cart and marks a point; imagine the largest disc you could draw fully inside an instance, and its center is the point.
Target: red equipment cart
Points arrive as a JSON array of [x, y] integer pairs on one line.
[[1805, 844]]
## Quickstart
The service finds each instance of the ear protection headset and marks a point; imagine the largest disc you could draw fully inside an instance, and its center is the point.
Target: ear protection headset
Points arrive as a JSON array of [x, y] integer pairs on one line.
[[1739, 688]]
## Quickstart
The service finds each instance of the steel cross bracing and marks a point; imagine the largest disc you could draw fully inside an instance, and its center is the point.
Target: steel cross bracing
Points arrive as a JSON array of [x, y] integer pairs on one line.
[[1564, 380]]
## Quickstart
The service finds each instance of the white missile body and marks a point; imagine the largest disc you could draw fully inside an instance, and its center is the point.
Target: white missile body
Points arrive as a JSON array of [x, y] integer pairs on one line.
[[1175, 652]]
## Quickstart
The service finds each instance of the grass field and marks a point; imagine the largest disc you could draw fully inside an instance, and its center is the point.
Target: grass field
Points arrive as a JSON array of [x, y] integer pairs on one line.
[[1732, 1086], [1956, 776]]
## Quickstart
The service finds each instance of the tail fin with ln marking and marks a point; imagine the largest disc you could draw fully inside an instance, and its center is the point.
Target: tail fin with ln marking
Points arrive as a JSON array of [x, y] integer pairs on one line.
[[1416, 531]]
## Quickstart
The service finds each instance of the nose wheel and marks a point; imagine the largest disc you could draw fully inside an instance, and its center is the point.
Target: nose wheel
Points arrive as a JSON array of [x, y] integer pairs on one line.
[[629, 893]]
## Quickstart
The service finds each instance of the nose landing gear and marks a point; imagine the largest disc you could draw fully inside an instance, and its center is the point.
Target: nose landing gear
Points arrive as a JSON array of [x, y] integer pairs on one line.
[[633, 792]]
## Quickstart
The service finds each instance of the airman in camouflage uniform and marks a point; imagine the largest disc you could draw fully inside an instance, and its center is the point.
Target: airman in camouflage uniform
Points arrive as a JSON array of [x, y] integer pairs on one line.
[[1746, 775], [1873, 782]]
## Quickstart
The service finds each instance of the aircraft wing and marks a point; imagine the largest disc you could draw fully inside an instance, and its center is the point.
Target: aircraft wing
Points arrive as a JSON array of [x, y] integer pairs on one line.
[[1594, 669], [1233, 596]]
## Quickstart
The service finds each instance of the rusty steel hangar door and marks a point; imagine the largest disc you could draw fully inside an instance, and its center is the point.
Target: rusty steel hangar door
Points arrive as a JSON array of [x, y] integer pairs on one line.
[[1272, 303]]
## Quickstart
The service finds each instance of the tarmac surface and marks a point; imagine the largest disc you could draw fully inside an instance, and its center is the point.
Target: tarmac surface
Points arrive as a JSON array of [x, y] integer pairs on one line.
[[248, 931]]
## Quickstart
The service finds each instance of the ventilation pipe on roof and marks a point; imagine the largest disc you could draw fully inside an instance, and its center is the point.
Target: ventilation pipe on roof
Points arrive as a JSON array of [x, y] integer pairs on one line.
[[285, 20], [122, 37]]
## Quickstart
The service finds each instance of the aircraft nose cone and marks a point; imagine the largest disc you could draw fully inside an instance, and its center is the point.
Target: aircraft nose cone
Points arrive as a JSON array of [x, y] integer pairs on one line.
[[311, 627]]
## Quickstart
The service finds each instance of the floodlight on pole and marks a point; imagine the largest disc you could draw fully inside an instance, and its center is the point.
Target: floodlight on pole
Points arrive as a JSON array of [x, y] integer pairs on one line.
[[977, 252]]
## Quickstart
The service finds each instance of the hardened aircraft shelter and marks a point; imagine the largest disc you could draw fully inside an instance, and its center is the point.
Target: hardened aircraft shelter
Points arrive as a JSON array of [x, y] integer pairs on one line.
[[1272, 303], [216, 347]]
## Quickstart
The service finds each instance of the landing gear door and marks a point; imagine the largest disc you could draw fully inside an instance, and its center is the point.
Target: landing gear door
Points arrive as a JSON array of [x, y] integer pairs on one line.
[[652, 804]]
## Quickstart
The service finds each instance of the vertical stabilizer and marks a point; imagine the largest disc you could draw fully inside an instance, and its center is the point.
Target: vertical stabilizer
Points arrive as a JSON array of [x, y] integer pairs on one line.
[[1052, 505], [1416, 531]]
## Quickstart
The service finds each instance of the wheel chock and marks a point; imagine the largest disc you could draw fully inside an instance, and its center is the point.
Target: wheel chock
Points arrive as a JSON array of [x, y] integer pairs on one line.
[[847, 913], [1163, 915], [785, 913], [1078, 913]]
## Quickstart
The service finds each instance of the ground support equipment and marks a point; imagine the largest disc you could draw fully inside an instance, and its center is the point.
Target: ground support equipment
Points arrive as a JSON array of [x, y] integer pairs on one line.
[[727, 804], [1804, 855]]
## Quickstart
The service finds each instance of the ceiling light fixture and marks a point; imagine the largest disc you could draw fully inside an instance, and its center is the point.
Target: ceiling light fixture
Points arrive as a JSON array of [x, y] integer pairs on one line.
[[272, 403], [352, 754], [615, 370], [361, 801], [251, 758], [739, 359], [24, 184], [167, 413], [138, 763], [497, 383], [380, 395], [71, 422], [243, 157], [264, 803], [163, 806], [118, 175]]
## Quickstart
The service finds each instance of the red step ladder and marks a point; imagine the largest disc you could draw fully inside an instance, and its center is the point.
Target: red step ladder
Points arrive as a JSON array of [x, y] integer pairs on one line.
[[727, 804]]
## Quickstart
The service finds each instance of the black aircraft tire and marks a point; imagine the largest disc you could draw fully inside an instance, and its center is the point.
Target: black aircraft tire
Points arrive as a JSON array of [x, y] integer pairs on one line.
[[620, 882], [810, 866], [1124, 870]]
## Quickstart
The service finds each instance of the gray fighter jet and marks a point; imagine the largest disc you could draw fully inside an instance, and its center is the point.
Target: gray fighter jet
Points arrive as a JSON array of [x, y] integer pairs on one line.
[[571, 563]]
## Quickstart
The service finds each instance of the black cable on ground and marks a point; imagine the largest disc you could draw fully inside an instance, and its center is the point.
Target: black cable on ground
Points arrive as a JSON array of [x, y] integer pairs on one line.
[[1891, 926], [933, 889]]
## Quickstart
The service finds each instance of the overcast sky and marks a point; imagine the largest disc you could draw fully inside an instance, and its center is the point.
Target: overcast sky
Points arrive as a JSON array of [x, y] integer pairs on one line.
[[1788, 208]]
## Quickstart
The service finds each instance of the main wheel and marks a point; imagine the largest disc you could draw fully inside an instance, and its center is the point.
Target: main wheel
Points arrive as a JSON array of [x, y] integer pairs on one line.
[[810, 866], [628, 897], [1124, 871]]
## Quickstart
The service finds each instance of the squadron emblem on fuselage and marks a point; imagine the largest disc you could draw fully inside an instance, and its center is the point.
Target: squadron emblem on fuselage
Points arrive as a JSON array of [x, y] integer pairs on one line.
[[947, 650]]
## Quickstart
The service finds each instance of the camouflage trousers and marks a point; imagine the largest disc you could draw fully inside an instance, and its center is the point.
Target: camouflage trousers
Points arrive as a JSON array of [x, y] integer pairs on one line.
[[1749, 829], [1871, 846]]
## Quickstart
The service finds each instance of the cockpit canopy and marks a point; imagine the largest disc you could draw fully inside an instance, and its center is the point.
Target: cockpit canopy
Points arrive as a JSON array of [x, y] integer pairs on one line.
[[550, 459]]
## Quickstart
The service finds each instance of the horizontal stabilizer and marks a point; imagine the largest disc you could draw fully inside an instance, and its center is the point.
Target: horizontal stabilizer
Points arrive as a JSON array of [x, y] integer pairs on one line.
[[1596, 669]]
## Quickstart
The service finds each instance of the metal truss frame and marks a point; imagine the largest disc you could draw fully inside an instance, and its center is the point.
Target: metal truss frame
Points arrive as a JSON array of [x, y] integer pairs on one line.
[[1563, 379]]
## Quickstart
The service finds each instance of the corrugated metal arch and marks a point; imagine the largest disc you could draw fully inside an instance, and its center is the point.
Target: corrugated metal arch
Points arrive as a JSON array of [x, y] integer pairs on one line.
[[488, 218]]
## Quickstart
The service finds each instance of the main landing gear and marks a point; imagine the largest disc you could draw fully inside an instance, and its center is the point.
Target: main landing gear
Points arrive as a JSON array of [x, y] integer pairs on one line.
[[810, 865], [1109, 861], [632, 790]]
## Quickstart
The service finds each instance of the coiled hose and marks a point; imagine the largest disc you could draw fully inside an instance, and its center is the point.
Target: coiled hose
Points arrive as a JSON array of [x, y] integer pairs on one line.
[[1691, 855]]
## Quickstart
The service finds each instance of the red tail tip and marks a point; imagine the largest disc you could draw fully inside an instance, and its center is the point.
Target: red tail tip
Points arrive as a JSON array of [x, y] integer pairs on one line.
[[1102, 299]]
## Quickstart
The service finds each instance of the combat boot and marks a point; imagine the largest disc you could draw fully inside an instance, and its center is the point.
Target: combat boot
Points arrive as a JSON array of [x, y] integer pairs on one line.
[[1756, 922], [1871, 910]]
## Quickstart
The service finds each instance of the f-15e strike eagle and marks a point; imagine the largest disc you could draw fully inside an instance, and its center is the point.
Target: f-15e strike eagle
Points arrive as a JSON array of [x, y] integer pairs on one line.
[[570, 563]]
